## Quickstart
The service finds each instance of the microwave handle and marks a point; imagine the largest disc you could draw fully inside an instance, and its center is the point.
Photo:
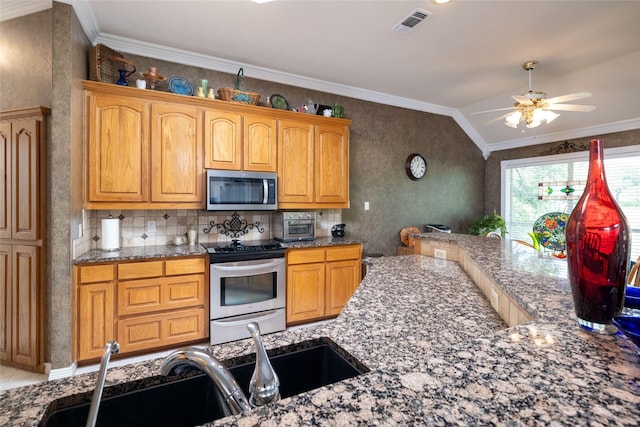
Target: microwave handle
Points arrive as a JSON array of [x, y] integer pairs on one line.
[[265, 191]]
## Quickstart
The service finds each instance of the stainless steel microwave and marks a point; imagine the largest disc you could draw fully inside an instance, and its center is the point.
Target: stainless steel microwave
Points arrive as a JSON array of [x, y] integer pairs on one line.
[[238, 190]]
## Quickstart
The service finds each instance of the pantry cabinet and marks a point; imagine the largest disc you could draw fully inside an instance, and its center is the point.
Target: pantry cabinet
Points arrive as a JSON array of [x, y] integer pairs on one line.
[[313, 165], [320, 281], [22, 237], [144, 305]]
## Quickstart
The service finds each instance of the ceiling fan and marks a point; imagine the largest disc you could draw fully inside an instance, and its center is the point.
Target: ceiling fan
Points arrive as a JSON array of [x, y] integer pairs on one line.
[[533, 108]]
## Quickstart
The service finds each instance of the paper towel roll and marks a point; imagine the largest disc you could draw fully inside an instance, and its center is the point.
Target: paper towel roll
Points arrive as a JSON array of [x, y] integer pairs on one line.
[[110, 234]]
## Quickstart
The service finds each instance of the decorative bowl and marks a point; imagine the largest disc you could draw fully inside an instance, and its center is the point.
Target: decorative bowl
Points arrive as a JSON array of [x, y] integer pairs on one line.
[[632, 298], [630, 326]]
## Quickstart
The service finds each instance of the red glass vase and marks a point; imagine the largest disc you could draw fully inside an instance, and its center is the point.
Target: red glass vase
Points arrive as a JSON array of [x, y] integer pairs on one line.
[[597, 236]]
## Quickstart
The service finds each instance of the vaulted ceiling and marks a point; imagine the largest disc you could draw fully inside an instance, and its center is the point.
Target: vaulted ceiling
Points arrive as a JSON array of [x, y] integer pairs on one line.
[[465, 57]]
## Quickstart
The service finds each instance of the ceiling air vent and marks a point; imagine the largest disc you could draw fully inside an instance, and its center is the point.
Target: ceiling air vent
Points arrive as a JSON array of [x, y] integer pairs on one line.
[[410, 21]]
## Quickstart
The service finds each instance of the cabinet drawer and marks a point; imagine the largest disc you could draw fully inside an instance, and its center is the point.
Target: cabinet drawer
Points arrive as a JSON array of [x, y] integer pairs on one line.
[[97, 273], [139, 296], [343, 252], [145, 296], [158, 330], [139, 270], [184, 266], [305, 256]]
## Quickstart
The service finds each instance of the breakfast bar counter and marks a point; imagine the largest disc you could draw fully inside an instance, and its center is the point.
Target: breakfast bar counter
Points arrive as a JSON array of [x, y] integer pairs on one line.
[[438, 351]]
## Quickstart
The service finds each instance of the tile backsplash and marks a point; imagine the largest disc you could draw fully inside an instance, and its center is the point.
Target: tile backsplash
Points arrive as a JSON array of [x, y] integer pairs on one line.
[[160, 227]]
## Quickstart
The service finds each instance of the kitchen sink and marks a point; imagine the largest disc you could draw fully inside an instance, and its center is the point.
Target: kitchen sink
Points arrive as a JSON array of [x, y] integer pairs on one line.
[[191, 398]]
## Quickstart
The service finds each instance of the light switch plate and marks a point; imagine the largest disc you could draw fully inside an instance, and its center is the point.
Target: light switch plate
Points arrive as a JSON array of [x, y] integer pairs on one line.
[[151, 227]]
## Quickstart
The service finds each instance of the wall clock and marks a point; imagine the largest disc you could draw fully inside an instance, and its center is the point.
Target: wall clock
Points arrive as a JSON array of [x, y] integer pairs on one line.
[[416, 166]]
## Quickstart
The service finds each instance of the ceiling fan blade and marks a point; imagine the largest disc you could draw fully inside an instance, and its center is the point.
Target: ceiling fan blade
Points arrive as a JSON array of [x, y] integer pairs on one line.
[[492, 111], [522, 99], [571, 107], [569, 97], [504, 116]]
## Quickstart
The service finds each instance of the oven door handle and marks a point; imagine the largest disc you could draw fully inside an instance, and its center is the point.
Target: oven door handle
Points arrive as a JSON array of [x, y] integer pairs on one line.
[[234, 268], [244, 319]]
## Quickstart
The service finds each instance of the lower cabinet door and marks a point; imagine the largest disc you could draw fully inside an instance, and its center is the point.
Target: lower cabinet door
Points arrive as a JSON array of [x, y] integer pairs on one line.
[[305, 292], [95, 322], [159, 330], [342, 279]]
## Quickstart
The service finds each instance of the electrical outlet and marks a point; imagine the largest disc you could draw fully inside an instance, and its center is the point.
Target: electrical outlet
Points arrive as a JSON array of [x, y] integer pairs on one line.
[[79, 230], [151, 227], [439, 253], [366, 206]]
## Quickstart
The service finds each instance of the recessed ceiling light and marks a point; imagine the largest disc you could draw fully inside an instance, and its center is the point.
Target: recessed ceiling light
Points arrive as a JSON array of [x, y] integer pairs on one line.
[[441, 1], [261, 1]]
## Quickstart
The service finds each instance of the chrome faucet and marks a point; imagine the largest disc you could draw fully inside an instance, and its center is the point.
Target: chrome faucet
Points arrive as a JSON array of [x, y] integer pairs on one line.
[[234, 398], [112, 347], [264, 382], [264, 385]]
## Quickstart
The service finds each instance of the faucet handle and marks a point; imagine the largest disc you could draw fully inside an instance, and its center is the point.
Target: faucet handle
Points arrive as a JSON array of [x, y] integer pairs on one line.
[[264, 385]]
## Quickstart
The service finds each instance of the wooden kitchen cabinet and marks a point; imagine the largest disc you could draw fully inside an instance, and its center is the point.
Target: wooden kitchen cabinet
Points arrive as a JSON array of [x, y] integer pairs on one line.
[[118, 148], [144, 305], [295, 164], [320, 281], [332, 165], [313, 165], [177, 173], [240, 142], [22, 165], [141, 154]]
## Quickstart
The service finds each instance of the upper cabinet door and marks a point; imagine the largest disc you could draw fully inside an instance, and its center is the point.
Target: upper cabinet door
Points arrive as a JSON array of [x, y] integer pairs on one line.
[[332, 164], [222, 140], [5, 171], [177, 174], [295, 162], [26, 179], [259, 144], [118, 149]]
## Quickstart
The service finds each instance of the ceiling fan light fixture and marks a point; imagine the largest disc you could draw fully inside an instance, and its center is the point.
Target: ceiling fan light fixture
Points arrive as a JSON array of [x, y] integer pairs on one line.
[[513, 119]]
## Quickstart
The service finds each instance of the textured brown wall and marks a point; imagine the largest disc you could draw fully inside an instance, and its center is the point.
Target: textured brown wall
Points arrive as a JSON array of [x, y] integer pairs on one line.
[[45, 56], [25, 70], [382, 137], [493, 178]]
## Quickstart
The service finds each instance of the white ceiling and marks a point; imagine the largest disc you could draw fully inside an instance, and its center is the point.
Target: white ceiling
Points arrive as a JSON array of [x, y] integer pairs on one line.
[[464, 58]]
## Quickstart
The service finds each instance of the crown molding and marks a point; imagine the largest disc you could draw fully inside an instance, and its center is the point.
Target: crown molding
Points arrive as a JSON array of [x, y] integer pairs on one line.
[[15, 9], [602, 129], [85, 15], [471, 132], [164, 53]]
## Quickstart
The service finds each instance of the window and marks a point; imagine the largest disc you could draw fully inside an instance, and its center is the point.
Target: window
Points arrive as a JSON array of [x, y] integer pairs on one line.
[[520, 178]]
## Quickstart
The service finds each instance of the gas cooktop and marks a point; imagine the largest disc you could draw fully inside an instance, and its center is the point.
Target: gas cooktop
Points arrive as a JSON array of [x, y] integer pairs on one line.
[[244, 251]]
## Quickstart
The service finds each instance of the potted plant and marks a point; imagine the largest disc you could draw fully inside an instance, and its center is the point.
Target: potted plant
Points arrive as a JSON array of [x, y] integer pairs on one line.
[[489, 223]]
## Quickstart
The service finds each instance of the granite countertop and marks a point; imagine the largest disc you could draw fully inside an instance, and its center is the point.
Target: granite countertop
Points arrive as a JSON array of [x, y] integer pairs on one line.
[[140, 252], [168, 251], [438, 353], [323, 241]]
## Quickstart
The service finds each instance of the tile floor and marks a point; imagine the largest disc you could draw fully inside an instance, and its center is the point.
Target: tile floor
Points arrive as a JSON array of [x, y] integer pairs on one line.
[[13, 378]]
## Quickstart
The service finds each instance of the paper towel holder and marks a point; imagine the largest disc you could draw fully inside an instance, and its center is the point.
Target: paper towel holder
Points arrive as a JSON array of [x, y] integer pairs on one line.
[[111, 234]]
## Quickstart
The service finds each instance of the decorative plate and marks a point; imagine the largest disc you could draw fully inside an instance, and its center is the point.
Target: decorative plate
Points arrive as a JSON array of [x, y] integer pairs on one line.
[[180, 86], [551, 228], [278, 102], [632, 298], [630, 326]]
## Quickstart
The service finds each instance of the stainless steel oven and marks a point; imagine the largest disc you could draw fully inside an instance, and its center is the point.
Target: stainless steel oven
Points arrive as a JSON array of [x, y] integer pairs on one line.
[[247, 284]]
